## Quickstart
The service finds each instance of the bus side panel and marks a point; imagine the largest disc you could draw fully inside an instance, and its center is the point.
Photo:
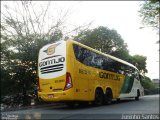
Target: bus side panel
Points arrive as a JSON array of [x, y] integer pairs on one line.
[[115, 85], [102, 80], [82, 76], [119, 85], [130, 87], [93, 84]]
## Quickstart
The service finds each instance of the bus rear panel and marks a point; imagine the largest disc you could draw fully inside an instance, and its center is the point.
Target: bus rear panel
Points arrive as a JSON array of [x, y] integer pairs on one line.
[[55, 83]]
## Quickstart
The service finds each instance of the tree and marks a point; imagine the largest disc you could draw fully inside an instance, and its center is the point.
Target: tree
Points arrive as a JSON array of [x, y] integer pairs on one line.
[[105, 40], [23, 33], [140, 62], [26, 26], [149, 87], [110, 42], [149, 13]]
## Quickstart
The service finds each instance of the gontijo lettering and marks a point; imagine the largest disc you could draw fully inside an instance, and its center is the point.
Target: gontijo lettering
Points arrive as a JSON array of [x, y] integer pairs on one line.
[[52, 61], [108, 76]]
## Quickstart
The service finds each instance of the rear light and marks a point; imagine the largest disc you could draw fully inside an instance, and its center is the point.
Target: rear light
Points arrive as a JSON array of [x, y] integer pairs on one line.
[[68, 84]]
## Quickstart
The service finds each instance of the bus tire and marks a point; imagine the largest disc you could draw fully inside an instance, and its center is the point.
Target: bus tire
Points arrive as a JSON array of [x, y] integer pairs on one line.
[[138, 94], [108, 97], [99, 97]]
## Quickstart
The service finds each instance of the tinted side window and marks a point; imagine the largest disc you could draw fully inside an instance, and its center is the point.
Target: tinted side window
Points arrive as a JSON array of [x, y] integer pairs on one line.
[[79, 53], [95, 60], [98, 61], [108, 64], [112, 65], [87, 57]]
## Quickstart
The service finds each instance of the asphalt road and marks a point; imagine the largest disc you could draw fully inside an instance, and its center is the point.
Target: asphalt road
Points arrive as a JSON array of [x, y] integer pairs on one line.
[[146, 108]]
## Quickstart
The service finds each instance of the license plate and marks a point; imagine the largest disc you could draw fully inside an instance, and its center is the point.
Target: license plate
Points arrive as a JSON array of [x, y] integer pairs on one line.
[[50, 96]]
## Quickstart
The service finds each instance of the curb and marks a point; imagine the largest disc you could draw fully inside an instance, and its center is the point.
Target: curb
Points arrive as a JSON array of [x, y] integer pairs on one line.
[[28, 107]]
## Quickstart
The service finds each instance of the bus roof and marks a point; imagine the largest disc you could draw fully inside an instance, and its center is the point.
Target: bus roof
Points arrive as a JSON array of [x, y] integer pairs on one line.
[[104, 54]]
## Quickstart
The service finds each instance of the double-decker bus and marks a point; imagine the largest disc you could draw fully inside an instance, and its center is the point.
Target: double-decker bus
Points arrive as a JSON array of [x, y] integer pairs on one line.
[[70, 71]]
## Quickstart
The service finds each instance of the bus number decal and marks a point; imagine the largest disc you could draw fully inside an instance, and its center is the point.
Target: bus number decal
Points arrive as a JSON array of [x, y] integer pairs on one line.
[[58, 81], [81, 71]]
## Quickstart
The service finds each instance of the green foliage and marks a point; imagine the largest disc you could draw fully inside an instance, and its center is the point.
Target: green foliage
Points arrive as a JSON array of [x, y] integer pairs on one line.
[[110, 42], [122, 54], [20, 64], [147, 83], [149, 13], [105, 40], [140, 62], [148, 86], [19, 52]]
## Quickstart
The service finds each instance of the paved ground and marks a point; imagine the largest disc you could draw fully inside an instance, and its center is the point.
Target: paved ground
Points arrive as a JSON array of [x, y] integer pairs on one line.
[[146, 108]]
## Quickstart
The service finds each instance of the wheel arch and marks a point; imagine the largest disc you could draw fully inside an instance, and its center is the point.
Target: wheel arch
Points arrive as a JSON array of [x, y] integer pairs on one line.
[[98, 88], [110, 89]]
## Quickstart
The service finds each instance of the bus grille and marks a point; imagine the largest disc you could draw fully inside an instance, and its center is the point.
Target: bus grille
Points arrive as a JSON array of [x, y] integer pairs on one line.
[[53, 68]]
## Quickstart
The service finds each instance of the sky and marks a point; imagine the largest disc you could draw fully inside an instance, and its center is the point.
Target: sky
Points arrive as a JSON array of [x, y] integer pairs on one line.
[[122, 16]]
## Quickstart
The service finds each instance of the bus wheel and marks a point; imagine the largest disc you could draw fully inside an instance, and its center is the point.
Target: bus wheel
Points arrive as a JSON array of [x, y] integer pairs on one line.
[[138, 94], [108, 97], [99, 97]]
